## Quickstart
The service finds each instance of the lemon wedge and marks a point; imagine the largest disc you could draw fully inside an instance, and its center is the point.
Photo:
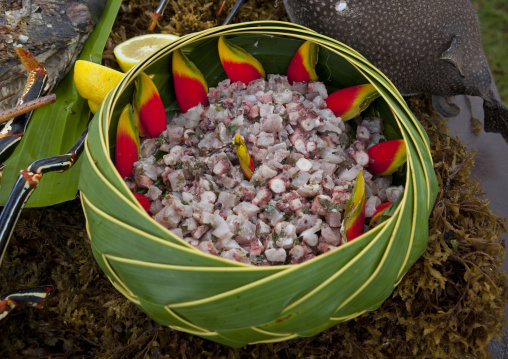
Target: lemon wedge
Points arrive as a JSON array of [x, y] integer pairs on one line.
[[94, 106], [94, 81], [130, 52]]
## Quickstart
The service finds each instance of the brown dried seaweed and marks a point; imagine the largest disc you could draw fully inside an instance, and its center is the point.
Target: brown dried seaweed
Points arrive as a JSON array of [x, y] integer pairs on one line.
[[449, 304]]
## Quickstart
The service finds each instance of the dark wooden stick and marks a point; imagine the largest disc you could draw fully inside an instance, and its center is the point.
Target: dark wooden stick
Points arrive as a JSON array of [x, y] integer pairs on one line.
[[6, 97], [26, 107]]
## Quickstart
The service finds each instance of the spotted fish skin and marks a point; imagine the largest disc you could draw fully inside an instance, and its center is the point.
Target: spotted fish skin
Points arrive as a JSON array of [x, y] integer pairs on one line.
[[422, 46]]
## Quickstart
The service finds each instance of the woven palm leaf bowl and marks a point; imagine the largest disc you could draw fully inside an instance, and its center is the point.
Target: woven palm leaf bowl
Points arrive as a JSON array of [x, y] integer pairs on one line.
[[231, 302]]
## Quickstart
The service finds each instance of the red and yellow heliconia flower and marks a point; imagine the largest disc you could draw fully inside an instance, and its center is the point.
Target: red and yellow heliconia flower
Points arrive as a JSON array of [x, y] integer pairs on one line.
[[246, 162], [354, 216], [386, 157], [143, 200], [238, 63], [190, 84], [379, 211], [350, 102], [149, 106], [127, 142], [302, 66]]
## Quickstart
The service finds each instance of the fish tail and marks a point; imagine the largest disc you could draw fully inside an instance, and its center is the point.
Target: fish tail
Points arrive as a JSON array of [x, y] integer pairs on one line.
[[496, 118]]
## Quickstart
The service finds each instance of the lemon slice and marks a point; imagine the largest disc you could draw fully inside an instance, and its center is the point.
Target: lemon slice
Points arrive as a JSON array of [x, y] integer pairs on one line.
[[129, 52], [94, 81]]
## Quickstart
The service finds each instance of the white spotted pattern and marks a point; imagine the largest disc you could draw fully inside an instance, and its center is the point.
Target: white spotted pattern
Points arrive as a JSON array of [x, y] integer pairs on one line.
[[406, 39]]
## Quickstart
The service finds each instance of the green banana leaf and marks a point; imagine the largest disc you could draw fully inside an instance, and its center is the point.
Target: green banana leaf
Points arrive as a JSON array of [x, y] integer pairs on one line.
[[230, 302], [53, 129]]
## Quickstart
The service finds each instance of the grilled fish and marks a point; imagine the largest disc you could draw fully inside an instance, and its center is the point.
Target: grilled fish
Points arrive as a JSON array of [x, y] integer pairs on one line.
[[54, 31]]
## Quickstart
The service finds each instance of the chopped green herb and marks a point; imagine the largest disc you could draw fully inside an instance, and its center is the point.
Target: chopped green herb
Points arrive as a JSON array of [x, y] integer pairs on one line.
[[178, 165], [219, 106], [159, 155], [258, 259], [230, 128], [158, 182], [161, 139], [210, 183], [180, 179], [164, 194], [305, 209], [275, 237], [329, 205], [269, 209], [141, 190]]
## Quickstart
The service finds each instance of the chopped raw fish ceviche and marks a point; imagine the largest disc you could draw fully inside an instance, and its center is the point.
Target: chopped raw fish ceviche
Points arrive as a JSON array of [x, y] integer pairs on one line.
[[302, 160]]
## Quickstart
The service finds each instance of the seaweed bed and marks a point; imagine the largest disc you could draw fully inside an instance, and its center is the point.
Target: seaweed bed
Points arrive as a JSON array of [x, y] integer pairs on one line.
[[450, 304]]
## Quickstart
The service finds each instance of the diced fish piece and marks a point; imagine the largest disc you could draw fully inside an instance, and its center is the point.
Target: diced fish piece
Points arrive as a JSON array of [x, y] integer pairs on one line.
[[246, 209], [393, 193], [272, 123], [168, 217], [275, 255], [177, 180], [227, 199]]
